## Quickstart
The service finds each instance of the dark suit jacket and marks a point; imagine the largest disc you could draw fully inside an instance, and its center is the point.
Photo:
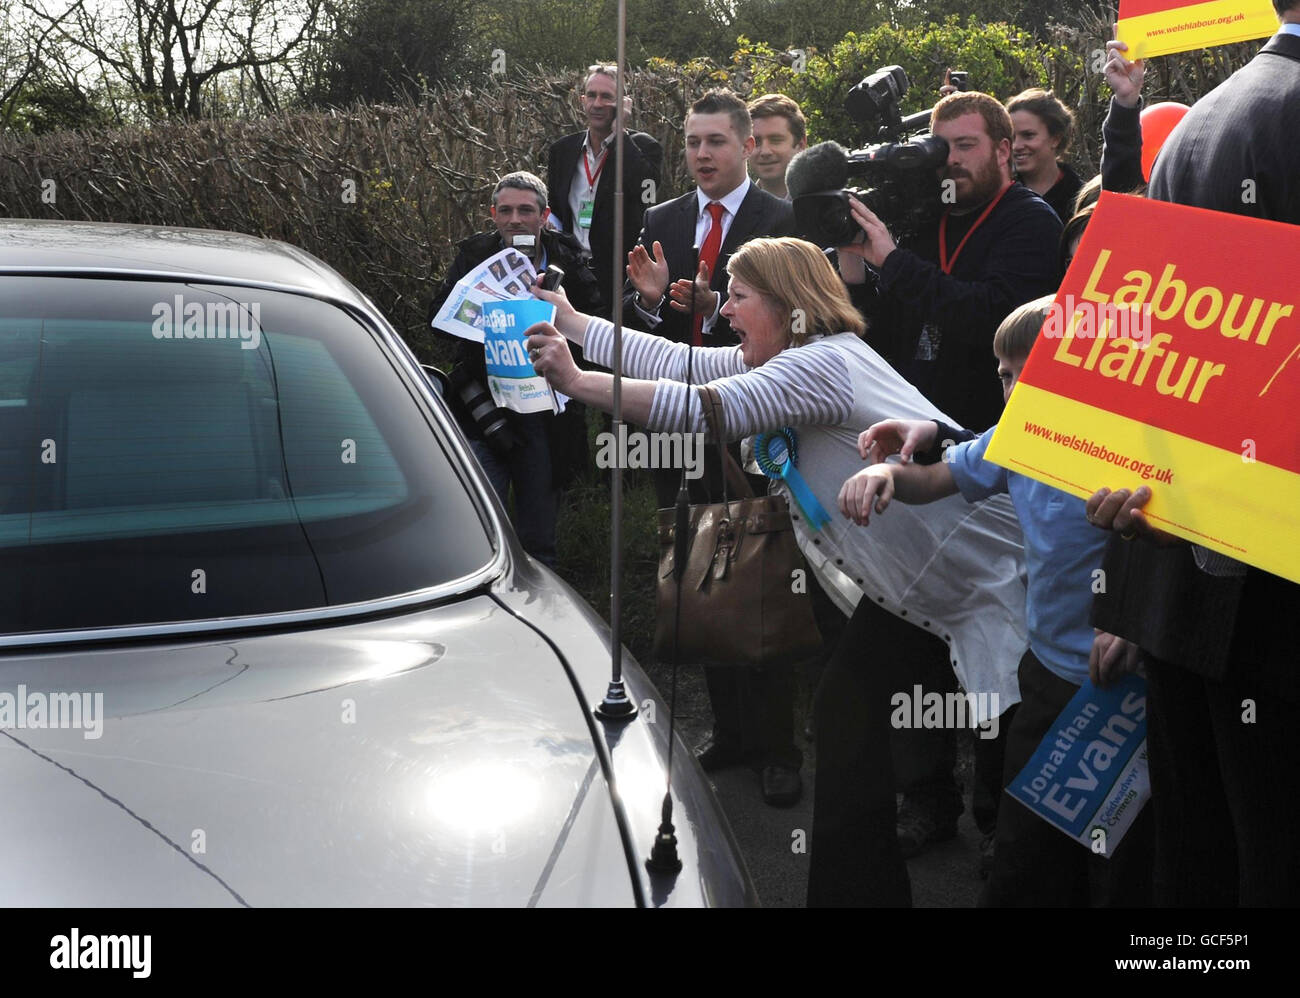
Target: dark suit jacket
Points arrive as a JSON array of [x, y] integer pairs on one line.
[[1157, 597], [644, 159], [673, 225]]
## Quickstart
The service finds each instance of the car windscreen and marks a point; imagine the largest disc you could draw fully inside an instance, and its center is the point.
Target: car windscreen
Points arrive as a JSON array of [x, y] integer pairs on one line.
[[179, 452]]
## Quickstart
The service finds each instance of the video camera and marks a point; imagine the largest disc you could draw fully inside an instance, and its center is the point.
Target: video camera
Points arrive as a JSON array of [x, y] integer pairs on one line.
[[901, 182]]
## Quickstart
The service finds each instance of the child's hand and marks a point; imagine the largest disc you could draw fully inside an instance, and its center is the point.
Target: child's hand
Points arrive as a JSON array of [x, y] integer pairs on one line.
[[871, 486], [903, 437]]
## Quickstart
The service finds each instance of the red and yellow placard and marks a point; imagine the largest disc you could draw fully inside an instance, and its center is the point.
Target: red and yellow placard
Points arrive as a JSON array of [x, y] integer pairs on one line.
[[1172, 360], [1159, 27]]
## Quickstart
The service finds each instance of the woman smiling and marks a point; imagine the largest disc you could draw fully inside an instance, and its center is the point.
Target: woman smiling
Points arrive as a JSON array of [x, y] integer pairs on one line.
[[1038, 146]]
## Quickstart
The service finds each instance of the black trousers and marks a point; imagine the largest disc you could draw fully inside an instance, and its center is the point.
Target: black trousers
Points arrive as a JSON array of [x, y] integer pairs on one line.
[[925, 758], [1225, 785], [854, 859], [1037, 865]]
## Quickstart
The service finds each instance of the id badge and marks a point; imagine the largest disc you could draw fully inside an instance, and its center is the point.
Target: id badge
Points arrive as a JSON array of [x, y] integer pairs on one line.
[[927, 346], [585, 208]]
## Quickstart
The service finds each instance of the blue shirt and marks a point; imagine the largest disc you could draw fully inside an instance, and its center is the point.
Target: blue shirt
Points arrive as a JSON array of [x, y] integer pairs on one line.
[[1062, 552]]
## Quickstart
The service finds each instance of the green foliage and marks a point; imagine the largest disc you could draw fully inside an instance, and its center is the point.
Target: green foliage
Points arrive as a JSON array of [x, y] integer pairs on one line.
[[44, 106], [384, 51], [565, 35], [805, 24], [1001, 60]]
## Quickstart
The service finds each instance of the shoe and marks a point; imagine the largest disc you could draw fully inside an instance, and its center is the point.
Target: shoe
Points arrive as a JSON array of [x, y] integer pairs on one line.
[[918, 828], [782, 786], [714, 755], [986, 855]]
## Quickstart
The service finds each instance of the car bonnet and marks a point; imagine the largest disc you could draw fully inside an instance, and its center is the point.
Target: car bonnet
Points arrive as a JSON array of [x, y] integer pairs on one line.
[[437, 758]]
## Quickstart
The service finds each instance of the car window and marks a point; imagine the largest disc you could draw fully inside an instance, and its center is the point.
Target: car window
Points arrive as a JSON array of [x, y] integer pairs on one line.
[[176, 452]]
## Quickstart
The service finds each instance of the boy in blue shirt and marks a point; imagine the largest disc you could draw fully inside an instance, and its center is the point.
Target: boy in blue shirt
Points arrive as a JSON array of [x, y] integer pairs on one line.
[[1034, 864]]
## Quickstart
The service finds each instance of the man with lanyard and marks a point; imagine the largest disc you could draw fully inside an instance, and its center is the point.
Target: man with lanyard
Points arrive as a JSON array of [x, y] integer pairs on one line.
[[934, 304], [541, 452], [580, 176]]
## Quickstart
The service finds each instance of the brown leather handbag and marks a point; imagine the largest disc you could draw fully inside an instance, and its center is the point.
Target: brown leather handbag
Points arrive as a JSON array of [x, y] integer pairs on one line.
[[739, 604]]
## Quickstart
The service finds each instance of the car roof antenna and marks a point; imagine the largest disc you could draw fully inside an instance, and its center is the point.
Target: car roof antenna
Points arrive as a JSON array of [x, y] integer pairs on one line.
[[617, 707]]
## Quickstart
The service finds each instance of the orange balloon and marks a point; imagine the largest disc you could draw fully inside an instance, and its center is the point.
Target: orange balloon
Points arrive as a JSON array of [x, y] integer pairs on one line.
[[1158, 121]]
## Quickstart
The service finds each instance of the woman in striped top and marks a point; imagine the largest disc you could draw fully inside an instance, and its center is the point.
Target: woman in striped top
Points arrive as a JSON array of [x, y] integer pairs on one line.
[[802, 364]]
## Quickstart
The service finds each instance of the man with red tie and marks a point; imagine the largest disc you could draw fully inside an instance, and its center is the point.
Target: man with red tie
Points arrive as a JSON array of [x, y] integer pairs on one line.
[[753, 709], [721, 214]]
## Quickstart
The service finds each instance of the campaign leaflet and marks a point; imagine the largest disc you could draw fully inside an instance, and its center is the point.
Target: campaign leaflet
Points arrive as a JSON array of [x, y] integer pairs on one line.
[[509, 274], [510, 375], [1089, 775]]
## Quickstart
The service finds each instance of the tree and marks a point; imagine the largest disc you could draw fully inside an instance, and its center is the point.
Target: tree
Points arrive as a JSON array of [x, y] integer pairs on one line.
[[388, 50], [805, 24], [170, 55]]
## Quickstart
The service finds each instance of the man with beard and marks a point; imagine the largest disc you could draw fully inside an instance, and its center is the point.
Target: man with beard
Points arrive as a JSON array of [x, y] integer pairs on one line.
[[934, 304]]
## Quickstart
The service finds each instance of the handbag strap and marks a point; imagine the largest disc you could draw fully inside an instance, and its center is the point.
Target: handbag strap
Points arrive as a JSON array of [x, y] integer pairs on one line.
[[733, 478]]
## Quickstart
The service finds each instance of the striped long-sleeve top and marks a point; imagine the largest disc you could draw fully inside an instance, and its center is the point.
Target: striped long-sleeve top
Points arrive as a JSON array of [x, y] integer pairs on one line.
[[950, 567]]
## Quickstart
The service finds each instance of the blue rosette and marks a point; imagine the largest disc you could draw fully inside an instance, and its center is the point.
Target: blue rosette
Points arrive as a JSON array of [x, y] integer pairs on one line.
[[777, 454]]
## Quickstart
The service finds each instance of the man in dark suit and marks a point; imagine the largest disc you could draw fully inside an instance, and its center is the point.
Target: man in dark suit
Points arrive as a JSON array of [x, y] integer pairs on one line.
[[658, 296], [1219, 640], [580, 171], [668, 281]]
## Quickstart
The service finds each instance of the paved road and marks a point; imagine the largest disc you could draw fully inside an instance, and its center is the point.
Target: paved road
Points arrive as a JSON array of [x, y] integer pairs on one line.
[[944, 877]]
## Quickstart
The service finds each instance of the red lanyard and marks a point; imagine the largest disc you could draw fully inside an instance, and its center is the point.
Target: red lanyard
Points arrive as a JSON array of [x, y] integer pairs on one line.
[[946, 264], [592, 178]]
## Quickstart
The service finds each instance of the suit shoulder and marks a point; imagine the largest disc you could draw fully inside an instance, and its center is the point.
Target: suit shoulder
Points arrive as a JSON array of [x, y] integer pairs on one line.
[[659, 212], [564, 142], [645, 141], [769, 203], [1020, 204]]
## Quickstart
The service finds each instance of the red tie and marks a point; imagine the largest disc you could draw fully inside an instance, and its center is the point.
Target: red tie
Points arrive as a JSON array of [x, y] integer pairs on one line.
[[709, 257]]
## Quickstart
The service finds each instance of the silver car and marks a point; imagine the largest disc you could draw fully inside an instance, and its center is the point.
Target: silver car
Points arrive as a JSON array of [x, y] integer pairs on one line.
[[267, 638]]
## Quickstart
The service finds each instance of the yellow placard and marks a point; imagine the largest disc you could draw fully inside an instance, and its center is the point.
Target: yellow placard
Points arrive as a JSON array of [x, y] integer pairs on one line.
[[1164, 365], [1160, 27], [1117, 452]]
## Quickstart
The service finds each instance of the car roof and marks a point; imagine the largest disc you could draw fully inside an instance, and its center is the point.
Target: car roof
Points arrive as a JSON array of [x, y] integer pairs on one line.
[[29, 245]]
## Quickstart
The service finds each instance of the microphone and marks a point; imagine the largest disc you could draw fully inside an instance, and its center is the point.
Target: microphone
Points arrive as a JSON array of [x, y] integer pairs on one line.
[[823, 167]]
